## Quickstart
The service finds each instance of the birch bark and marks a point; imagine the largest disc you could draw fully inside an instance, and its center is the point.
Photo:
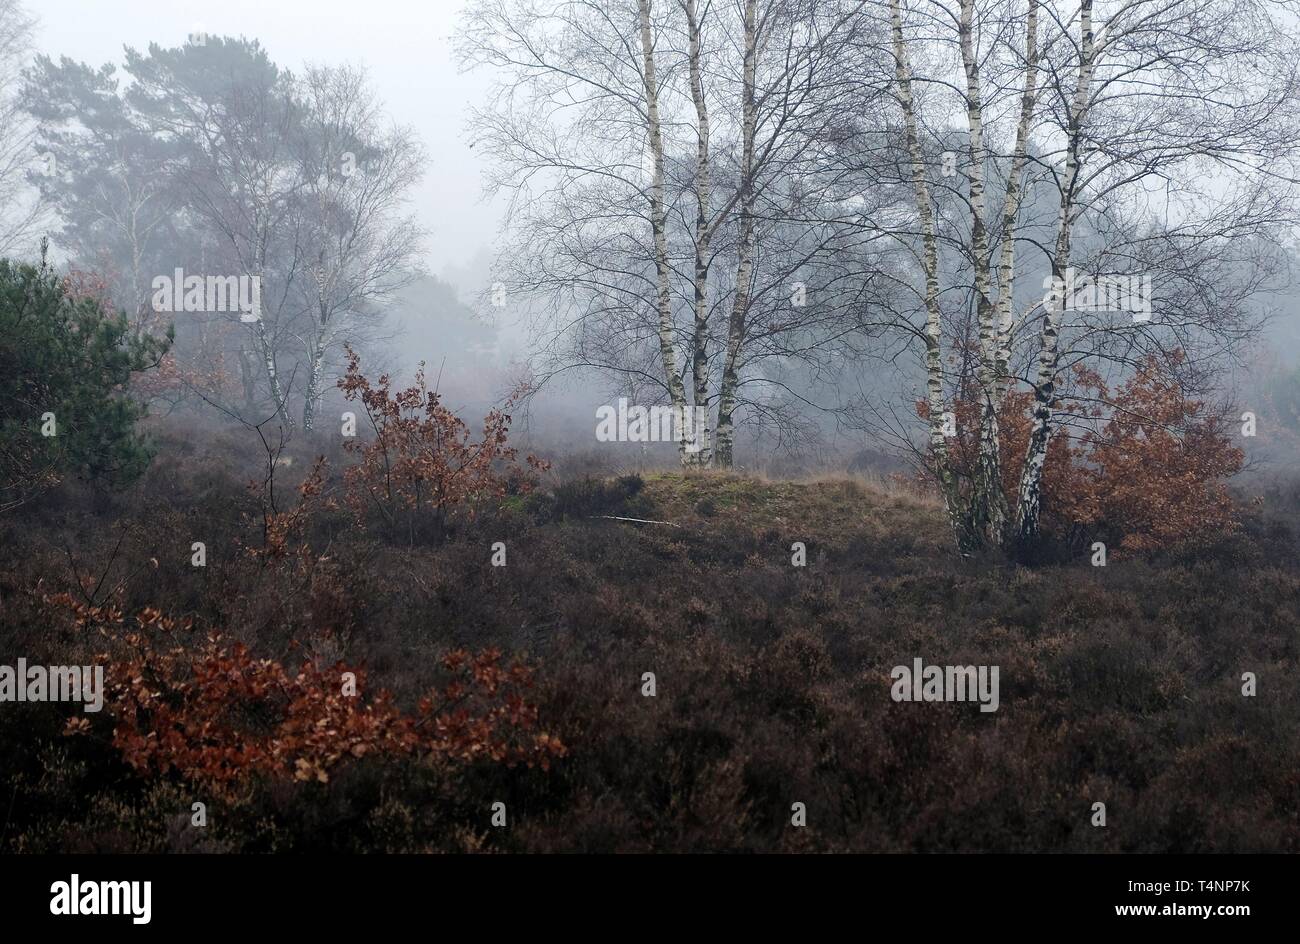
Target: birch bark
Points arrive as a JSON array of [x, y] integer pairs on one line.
[[703, 238], [744, 261], [988, 502], [265, 348], [930, 265], [1029, 502], [1011, 208], [659, 223]]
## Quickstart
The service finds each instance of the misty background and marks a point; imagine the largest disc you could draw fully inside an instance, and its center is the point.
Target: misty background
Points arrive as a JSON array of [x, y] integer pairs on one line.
[[473, 351], [406, 51]]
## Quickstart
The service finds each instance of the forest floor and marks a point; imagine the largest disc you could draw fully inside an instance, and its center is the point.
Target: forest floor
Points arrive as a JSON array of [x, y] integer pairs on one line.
[[770, 667]]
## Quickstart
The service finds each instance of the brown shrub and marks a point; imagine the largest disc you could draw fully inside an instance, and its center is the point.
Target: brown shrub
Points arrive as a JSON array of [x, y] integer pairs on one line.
[[1143, 467], [422, 457], [211, 713]]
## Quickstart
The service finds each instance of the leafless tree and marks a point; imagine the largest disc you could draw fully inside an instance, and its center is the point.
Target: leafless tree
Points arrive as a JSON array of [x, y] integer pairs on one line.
[[665, 163], [240, 171], [20, 211], [360, 171], [1164, 135]]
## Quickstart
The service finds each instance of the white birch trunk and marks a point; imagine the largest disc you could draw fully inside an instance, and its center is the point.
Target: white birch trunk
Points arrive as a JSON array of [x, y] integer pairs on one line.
[[726, 436], [988, 501], [1011, 208], [930, 263], [272, 373], [264, 347], [703, 235], [659, 222], [314, 372], [1029, 503]]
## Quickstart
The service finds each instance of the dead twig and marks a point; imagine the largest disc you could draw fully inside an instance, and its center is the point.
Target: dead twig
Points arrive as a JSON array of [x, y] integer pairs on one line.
[[637, 520]]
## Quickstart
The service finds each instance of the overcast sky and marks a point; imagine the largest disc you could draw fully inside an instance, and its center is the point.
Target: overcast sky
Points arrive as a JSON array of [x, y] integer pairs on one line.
[[405, 45]]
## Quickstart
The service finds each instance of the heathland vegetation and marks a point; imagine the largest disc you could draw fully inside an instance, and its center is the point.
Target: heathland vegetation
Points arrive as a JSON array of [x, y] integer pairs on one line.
[[330, 681], [1020, 252]]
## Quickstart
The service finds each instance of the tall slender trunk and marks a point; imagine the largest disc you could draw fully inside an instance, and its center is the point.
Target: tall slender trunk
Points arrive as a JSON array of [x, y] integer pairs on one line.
[[658, 225], [1011, 208], [314, 372], [726, 438], [930, 263], [1029, 504], [272, 372], [263, 339], [138, 309], [247, 376], [988, 503], [703, 236]]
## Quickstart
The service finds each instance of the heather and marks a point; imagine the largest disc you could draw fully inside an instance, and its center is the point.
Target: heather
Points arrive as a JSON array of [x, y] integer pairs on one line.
[[1120, 684]]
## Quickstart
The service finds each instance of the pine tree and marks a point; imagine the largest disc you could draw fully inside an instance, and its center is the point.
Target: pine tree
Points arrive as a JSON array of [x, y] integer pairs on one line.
[[65, 365]]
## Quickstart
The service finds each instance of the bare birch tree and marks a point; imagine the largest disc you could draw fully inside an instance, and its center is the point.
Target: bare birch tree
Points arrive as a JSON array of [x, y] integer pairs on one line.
[[1198, 97], [577, 128], [240, 172], [733, 106], [19, 209], [1193, 98], [363, 243]]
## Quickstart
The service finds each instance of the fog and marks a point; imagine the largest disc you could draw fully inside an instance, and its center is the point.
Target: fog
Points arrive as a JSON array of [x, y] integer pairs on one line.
[[404, 46], [551, 426], [817, 395], [406, 50]]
